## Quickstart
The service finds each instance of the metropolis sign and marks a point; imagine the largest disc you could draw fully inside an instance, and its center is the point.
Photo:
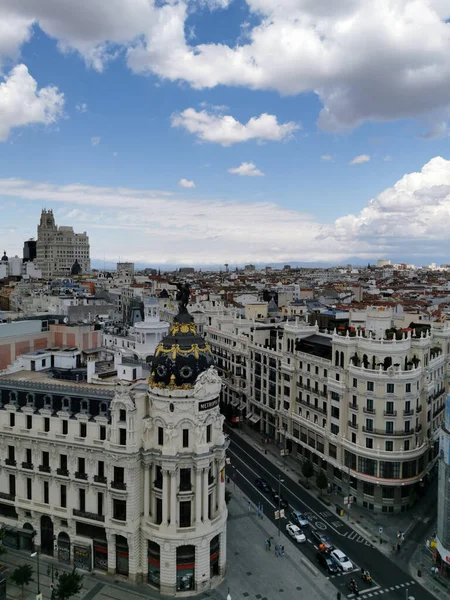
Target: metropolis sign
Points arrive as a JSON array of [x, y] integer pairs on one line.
[[208, 404]]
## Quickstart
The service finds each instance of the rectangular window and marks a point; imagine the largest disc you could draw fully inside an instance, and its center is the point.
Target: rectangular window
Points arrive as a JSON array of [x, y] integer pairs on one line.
[[28, 459], [185, 438], [369, 443], [407, 426], [81, 465], [408, 388], [160, 436], [316, 370], [82, 499], [334, 429], [208, 433], [122, 437], [185, 513], [65, 426], [122, 415], [355, 382], [407, 406], [12, 419], [369, 404], [119, 475], [101, 468], [335, 396], [29, 422], [158, 516], [63, 496], [389, 408], [63, 461], [332, 450], [120, 509], [406, 445], [389, 446], [46, 424], [370, 386], [389, 426], [11, 453], [335, 412], [102, 432], [368, 489], [100, 503], [45, 459], [12, 485], [369, 424], [389, 388], [29, 489], [46, 493], [83, 430], [325, 373]]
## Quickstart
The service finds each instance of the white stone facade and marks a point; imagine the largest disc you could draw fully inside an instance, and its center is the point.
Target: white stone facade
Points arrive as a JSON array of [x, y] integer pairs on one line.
[[57, 248], [358, 405], [121, 479]]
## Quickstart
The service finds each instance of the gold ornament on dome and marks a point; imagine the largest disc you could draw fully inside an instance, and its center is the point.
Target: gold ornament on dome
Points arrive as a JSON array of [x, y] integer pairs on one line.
[[183, 328], [172, 386], [175, 349]]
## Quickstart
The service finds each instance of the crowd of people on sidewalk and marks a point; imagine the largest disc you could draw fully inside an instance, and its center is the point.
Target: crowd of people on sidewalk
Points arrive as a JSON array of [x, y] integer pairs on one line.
[[279, 548]]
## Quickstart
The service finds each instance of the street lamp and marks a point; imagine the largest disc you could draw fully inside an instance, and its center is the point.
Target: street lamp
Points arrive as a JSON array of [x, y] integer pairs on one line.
[[280, 481], [228, 595], [36, 554]]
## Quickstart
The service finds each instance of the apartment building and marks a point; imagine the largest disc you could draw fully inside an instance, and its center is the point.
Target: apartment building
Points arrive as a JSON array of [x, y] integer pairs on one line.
[[365, 406]]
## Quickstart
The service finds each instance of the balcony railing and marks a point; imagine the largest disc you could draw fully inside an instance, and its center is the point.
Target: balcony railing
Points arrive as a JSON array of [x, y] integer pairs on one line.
[[408, 413], [11, 462], [353, 425], [5, 496], [63, 472], [118, 485], [395, 432], [100, 479], [88, 515], [418, 409], [369, 411], [353, 406], [27, 465], [45, 468], [390, 413], [81, 475]]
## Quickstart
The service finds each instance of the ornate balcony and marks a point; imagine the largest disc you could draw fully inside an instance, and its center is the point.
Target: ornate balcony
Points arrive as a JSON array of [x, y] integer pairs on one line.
[[100, 479], [27, 465], [11, 462], [62, 472], [118, 485], [45, 468], [81, 475], [88, 515]]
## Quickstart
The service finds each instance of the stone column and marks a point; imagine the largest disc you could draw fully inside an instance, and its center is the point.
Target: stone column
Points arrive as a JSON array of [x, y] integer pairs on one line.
[[220, 488], [223, 552], [198, 495], [173, 498], [146, 490], [205, 494], [111, 539], [165, 498], [133, 556], [150, 488]]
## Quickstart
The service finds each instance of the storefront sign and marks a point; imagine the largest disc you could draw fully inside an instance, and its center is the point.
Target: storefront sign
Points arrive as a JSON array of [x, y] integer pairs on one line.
[[207, 405]]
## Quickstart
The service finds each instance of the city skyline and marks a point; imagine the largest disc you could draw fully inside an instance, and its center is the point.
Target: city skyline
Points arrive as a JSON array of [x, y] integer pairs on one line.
[[198, 133]]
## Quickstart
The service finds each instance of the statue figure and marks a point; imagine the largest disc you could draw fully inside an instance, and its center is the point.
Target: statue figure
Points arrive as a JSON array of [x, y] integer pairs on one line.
[[171, 433], [182, 296]]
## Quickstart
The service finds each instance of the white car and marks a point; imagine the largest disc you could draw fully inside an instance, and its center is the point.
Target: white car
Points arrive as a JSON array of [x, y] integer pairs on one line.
[[296, 533], [344, 563]]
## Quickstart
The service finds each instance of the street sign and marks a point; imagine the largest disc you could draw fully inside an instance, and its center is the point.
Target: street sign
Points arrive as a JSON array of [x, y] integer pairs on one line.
[[38, 596], [284, 452], [277, 514], [380, 530], [346, 500], [282, 513]]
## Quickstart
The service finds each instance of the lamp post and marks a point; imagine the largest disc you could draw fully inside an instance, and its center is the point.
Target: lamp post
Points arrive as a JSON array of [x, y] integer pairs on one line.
[[36, 554], [279, 503]]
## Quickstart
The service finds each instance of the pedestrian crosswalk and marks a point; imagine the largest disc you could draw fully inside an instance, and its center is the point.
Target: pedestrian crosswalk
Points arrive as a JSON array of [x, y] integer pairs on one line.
[[359, 539], [371, 592]]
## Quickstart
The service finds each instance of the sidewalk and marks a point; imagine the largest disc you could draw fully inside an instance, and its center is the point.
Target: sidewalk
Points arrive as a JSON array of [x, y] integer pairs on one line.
[[252, 572], [361, 520], [422, 560]]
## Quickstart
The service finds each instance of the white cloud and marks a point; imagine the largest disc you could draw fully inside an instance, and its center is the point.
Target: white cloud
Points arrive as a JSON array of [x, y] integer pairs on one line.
[[225, 130], [81, 107], [327, 157], [362, 158], [411, 218], [95, 140], [366, 60], [246, 169], [22, 103], [115, 154], [186, 183]]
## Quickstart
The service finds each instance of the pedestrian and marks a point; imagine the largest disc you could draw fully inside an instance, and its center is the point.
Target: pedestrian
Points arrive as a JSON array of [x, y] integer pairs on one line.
[[276, 549], [398, 548], [266, 544], [281, 550], [259, 509], [262, 510], [249, 506], [270, 545]]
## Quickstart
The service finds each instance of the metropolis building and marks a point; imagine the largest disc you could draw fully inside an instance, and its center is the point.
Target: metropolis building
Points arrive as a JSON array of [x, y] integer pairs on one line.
[[121, 478], [443, 508]]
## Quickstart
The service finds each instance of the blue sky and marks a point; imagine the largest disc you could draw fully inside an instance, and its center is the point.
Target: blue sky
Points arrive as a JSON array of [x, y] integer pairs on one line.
[[217, 131]]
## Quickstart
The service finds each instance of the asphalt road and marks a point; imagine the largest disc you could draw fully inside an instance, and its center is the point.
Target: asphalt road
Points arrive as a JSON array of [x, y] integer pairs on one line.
[[389, 579]]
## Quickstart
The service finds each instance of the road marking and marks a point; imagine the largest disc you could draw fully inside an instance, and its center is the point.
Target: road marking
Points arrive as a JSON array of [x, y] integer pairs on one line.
[[320, 525]]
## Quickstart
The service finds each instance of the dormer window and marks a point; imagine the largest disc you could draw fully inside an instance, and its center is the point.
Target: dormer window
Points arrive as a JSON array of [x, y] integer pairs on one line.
[[66, 403], [47, 401], [84, 406]]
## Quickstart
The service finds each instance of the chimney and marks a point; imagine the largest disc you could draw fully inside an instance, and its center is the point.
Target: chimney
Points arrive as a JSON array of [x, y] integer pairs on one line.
[[90, 368]]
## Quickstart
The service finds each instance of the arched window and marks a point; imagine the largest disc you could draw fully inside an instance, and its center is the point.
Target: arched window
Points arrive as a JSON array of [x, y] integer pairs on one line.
[[30, 399], [66, 403], [13, 397], [342, 360], [103, 408], [336, 358], [84, 406]]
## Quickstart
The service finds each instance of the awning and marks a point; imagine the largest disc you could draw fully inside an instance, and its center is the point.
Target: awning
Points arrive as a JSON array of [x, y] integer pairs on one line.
[[242, 405], [249, 416], [234, 402], [255, 418]]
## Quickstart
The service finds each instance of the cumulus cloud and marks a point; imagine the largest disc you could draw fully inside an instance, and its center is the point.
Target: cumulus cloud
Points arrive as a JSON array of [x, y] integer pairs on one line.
[[366, 60], [186, 183], [247, 170], [81, 107], [410, 218], [95, 140], [225, 130], [22, 103], [362, 158]]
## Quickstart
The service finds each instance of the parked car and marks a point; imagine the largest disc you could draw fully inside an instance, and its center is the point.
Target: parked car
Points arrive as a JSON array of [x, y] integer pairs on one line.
[[299, 519], [322, 540], [344, 563], [279, 500], [263, 485], [295, 532], [326, 561]]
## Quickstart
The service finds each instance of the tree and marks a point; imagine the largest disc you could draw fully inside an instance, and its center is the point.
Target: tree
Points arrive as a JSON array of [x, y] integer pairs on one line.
[[321, 480], [22, 576], [69, 584], [307, 470]]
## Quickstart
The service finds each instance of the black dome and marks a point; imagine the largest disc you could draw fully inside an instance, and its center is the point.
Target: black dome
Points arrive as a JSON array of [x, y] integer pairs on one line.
[[181, 356], [4, 257], [76, 268]]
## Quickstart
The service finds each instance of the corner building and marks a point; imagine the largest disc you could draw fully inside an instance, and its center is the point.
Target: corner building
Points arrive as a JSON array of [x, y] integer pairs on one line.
[[121, 478]]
